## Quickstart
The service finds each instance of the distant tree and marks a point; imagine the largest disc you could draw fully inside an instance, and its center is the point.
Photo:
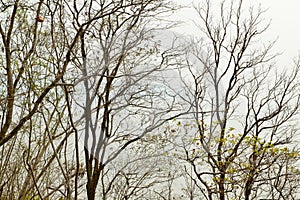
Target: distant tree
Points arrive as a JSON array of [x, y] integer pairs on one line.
[[143, 171]]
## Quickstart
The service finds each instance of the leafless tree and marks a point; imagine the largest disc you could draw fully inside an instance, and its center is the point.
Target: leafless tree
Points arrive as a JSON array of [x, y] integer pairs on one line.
[[244, 106], [142, 172], [119, 63], [53, 50], [86, 102], [34, 130]]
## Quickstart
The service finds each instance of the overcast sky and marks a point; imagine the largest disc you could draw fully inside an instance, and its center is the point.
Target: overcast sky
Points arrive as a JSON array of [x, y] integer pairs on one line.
[[285, 24]]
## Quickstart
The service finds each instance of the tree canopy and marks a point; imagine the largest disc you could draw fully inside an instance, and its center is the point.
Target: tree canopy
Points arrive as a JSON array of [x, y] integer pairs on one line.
[[103, 100]]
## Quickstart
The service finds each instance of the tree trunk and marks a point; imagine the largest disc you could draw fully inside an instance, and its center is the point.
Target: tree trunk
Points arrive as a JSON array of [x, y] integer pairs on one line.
[[248, 187], [93, 174], [221, 186]]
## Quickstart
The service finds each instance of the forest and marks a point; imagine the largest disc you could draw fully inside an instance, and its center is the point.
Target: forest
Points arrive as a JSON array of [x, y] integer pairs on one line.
[[102, 99]]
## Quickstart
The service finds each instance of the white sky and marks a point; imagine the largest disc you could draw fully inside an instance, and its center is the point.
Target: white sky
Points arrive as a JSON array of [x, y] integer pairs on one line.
[[285, 24]]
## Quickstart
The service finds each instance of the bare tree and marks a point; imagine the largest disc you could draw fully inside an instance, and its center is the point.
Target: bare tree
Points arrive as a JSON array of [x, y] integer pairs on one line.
[[118, 65], [244, 108], [142, 172], [94, 73], [52, 49], [33, 127]]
